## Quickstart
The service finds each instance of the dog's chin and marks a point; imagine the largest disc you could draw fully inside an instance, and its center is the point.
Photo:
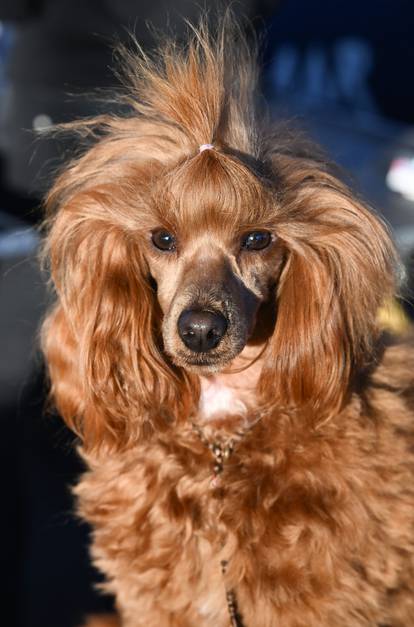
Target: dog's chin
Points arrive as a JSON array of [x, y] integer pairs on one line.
[[205, 368], [203, 363]]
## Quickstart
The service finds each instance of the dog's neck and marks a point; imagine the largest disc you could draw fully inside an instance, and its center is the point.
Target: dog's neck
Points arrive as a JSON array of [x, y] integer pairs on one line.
[[231, 394]]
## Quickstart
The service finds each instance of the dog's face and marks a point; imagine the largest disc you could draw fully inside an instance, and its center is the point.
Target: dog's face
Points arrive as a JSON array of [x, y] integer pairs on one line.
[[210, 286], [214, 272]]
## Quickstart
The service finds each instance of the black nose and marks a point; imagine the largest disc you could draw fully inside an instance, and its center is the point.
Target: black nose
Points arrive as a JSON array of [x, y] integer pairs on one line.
[[201, 331]]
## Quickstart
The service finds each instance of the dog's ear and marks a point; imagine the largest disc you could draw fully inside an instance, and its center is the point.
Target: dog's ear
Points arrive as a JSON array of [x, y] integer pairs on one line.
[[340, 267], [102, 340]]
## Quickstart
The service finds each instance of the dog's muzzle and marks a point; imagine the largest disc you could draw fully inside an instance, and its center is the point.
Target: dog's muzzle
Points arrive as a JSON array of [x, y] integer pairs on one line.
[[201, 330]]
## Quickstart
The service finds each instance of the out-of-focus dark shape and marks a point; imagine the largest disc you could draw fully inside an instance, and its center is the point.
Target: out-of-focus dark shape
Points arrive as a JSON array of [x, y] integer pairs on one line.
[[342, 71], [356, 55]]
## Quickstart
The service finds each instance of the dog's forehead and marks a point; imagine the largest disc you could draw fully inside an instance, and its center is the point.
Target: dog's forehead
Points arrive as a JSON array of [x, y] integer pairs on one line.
[[214, 194], [206, 245]]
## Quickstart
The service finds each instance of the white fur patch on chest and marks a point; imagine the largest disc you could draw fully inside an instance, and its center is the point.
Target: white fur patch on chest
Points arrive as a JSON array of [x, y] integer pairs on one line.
[[217, 399]]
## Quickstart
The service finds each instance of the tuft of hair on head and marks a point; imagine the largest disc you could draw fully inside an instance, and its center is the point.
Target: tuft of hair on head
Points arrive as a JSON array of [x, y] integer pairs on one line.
[[204, 88]]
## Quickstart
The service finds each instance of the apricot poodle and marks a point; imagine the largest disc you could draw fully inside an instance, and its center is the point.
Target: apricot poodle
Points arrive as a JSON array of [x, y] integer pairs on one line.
[[248, 431]]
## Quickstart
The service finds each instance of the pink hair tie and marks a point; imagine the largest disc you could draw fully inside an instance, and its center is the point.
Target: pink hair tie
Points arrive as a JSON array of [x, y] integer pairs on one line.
[[206, 147]]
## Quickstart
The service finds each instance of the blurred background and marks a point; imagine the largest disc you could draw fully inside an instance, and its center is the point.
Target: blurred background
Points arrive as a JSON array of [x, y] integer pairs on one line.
[[342, 71]]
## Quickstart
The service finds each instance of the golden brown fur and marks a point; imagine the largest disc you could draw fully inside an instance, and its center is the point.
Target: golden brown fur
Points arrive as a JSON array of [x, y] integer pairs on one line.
[[315, 510]]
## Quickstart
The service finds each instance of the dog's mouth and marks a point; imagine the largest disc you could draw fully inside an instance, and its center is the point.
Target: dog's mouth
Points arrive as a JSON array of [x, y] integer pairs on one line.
[[204, 363]]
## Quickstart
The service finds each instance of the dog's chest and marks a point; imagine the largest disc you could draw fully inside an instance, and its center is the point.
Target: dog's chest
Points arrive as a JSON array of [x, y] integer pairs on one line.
[[229, 394], [217, 399]]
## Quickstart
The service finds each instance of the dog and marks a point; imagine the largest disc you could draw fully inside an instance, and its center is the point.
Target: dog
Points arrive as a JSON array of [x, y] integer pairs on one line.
[[247, 428]]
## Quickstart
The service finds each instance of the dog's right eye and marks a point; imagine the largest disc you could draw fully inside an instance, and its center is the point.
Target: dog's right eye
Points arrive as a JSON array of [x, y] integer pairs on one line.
[[163, 240], [256, 240]]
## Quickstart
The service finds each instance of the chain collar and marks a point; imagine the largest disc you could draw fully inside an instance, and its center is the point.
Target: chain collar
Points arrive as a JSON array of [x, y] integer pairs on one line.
[[221, 450]]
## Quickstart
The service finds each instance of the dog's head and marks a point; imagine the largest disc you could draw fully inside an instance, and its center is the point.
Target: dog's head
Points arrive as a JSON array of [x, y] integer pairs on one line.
[[168, 259], [214, 256]]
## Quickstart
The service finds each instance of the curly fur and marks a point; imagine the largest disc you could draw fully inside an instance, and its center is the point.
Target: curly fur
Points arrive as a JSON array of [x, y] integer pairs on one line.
[[315, 510]]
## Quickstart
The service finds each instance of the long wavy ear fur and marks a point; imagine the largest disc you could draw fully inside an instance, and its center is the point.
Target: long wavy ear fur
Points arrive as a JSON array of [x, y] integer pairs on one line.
[[101, 340], [340, 268]]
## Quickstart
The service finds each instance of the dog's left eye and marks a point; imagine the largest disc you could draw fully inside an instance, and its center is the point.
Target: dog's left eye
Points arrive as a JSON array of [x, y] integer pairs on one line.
[[256, 240], [163, 240]]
